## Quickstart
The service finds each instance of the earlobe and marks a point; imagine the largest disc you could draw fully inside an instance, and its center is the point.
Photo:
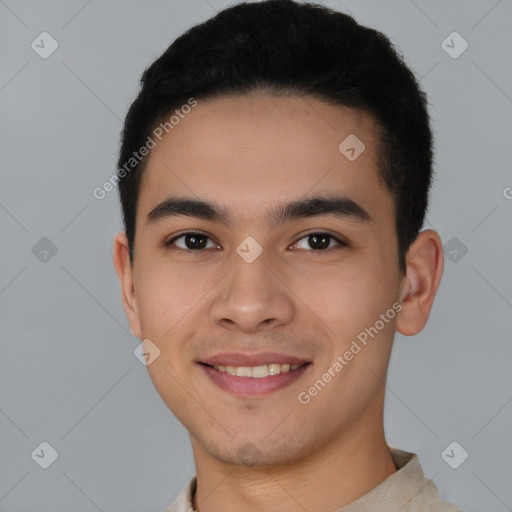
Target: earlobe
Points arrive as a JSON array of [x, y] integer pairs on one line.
[[124, 272], [425, 261]]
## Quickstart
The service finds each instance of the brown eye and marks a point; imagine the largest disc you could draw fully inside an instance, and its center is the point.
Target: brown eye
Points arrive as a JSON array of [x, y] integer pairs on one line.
[[191, 242], [318, 241]]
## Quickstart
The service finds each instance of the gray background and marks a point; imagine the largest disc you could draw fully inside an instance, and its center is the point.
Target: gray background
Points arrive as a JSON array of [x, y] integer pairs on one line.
[[68, 374]]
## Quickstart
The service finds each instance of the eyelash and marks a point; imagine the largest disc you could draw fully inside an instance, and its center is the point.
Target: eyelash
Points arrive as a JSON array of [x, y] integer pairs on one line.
[[196, 233]]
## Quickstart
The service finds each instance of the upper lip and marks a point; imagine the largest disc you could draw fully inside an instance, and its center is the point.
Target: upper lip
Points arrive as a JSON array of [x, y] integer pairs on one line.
[[248, 359]]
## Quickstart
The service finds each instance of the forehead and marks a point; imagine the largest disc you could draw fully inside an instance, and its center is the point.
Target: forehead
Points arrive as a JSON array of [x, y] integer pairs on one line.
[[250, 152]]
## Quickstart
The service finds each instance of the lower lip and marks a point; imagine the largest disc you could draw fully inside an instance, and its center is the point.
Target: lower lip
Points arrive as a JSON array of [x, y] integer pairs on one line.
[[251, 386]]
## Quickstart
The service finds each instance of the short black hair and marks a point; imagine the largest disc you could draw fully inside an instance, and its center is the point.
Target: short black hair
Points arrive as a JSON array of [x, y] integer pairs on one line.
[[286, 47]]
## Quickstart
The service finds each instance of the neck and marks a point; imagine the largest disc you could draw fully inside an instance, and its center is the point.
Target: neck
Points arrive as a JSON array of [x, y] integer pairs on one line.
[[331, 477]]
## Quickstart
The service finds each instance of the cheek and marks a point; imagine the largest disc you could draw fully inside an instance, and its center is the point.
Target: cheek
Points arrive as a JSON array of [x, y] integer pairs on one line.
[[341, 298], [349, 302], [165, 296]]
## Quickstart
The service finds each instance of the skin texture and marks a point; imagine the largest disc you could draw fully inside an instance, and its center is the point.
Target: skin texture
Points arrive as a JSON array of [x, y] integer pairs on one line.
[[247, 154]]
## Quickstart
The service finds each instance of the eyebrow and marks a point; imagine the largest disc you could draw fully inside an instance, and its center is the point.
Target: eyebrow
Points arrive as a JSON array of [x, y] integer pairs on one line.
[[340, 207]]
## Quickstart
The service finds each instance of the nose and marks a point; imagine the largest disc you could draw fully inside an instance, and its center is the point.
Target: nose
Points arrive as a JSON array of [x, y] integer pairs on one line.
[[252, 298]]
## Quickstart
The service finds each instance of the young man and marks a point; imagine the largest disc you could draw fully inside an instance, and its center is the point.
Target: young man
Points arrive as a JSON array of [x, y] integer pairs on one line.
[[274, 177]]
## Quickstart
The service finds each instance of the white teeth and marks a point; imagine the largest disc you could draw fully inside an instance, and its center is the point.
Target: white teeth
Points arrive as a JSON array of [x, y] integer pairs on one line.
[[257, 371], [243, 371], [229, 369], [274, 369]]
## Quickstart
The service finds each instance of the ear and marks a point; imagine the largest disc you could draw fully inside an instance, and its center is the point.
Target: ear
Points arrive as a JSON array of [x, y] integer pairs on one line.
[[425, 263], [124, 271]]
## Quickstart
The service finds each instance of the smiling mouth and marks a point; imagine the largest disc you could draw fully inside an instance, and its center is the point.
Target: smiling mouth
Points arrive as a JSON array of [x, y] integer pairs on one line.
[[257, 372]]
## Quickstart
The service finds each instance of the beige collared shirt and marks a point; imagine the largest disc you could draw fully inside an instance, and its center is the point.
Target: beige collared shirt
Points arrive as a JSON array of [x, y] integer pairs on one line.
[[407, 490]]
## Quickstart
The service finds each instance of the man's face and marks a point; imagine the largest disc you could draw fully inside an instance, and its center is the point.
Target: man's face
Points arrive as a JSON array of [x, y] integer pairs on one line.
[[303, 298]]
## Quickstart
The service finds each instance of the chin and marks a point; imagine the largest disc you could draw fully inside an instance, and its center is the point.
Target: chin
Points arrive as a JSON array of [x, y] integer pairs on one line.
[[255, 453]]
